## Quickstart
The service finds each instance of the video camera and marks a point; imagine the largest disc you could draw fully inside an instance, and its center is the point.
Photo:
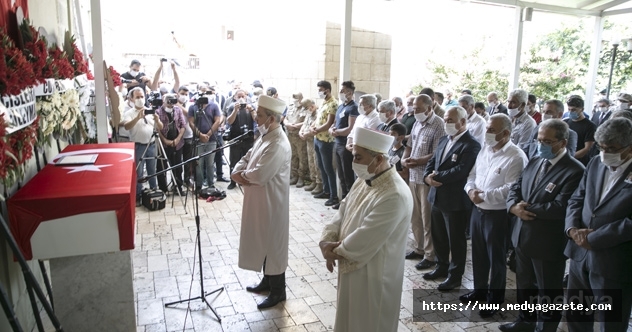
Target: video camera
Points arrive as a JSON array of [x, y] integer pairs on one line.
[[201, 98], [154, 99], [126, 81]]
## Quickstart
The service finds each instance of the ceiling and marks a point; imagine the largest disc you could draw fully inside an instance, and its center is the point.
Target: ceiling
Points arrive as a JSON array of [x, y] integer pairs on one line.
[[571, 7]]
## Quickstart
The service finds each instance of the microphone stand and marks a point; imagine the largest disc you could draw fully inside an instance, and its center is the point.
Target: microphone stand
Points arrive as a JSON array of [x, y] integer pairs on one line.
[[198, 242]]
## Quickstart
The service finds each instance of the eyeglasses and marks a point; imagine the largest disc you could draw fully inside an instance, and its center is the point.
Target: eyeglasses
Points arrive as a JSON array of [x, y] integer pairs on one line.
[[549, 143], [610, 149]]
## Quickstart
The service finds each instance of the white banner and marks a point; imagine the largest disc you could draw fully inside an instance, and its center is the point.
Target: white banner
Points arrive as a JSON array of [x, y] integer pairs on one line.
[[81, 81], [45, 89], [20, 110], [63, 85]]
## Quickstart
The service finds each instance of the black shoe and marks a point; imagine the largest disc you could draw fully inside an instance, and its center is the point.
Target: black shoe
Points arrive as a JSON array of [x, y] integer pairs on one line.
[[436, 274], [472, 296], [271, 300], [486, 313], [232, 185], [517, 326], [336, 206], [331, 201], [425, 264], [222, 179], [450, 284], [263, 286], [413, 255], [322, 195]]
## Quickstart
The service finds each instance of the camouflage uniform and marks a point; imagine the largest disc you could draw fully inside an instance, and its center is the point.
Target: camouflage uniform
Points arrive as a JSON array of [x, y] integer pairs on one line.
[[314, 172], [299, 166]]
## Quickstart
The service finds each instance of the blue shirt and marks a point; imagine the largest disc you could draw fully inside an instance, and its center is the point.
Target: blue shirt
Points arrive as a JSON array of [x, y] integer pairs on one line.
[[342, 118], [204, 121]]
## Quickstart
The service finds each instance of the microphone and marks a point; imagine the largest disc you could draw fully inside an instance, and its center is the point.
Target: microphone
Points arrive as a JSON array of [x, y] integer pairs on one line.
[[248, 134]]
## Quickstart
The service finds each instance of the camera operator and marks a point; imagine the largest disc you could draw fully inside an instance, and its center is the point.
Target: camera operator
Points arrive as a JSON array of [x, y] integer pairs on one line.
[[187, 149], [156, 81], [135, 77], [204, 119], [174, 123], [219, 135], [141, 128], [241, 119]]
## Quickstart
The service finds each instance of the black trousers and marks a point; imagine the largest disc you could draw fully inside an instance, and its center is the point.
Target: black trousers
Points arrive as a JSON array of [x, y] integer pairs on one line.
[[175, 157], [537, 277], [488, 231], [187, 153], [237, 151], [219, 155], [344, 159], [448, 237]]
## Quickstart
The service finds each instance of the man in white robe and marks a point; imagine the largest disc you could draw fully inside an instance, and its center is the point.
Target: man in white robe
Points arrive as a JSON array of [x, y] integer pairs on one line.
[[264, 174], [368, 239]]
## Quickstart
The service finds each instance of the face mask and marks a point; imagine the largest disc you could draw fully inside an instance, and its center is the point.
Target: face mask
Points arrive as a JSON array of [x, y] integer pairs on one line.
[[610, 159], [133, 73], [513, 112], [623, 106], [490, 139], [573, 115], [343, 97], [546, 117], [182, 99], [421, 117], [361, 109], [169, 109], [410, 109], [492, 104], [362, 170], [321, 94], [139, 103], [383, 118], [545, 151], [603, 109], [263, 129], [295, 102], [450, 129]]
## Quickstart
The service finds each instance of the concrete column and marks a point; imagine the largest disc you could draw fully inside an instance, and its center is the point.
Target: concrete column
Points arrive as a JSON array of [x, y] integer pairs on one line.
[[593, 64], [99, 77], [514, 76], [345, 43]]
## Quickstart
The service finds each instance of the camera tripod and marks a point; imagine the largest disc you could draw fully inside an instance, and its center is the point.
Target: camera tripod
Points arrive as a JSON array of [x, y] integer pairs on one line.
[[161, 156]]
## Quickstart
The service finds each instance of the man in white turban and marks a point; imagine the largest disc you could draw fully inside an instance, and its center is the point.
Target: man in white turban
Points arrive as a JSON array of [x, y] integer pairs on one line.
[[368, 239]]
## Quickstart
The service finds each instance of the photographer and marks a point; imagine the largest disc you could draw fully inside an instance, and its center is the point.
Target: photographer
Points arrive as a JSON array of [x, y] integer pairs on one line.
[[135, 78], [156, 81], [241, 119], [204, 119], [141, 124], [170, 114], [187, 149]]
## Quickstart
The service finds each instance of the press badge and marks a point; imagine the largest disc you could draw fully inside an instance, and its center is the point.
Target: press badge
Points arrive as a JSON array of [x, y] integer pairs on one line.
[[550, 187], [454, 157], [394, 160], [342, 114]]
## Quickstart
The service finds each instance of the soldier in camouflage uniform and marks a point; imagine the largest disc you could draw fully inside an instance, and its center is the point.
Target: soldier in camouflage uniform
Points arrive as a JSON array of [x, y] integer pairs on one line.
[[293, 122], [308, 138]]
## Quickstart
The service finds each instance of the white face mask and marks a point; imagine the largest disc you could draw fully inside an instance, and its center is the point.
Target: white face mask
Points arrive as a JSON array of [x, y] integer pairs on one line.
[[603, 109], [610, 159], [182, 99], [623, 106], [295, 102], [263, 129], [361, 109], [321, 94], [139, 103], [169, 109], [513, 112], [383, 118], [546, 117], [421, 117], [490, 139], [492, 104], [363, 170], [450, 129], [410, 109], [343, 97], [134, 73]]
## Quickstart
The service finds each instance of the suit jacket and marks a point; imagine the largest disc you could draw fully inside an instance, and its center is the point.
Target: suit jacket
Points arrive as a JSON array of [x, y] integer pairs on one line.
[[452, 172], [499, 109], [544, 238], [597, 115], [611, 240]]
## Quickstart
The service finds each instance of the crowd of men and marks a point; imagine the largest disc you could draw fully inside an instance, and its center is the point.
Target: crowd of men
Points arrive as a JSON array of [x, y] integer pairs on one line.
[[541, 178]]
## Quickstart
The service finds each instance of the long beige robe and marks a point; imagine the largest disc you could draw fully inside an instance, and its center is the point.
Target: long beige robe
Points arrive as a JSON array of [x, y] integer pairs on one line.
[[373, 223], [265, 221]]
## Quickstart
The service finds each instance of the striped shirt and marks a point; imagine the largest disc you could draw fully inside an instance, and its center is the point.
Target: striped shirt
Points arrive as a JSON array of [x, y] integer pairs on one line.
[[424, 139]]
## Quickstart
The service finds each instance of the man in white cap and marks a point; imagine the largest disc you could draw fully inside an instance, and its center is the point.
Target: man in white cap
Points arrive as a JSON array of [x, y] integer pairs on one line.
[[264, 173], [368, 239]]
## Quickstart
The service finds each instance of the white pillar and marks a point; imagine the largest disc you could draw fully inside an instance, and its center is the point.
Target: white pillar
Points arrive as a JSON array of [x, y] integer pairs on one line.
[[514, 76], [593, 64], [99, 78], [345, 43]]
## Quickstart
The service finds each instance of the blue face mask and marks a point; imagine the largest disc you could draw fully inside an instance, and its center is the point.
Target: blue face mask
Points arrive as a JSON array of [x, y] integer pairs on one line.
[[545, 151], [573, 115]]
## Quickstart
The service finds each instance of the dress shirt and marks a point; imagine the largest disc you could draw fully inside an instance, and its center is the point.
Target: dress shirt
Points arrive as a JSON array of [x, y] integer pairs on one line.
[[143, 129], [424, 139], [476, 126], [451, 142], [522, 130], [612, 175], [371, 121], [494, 173]]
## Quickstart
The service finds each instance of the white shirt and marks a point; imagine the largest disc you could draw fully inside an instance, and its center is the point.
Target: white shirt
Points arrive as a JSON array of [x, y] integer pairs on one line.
[[611, 178], [522, 130], [476, 126], [371, 121], [494, 173], [451, 142], [142, 130]]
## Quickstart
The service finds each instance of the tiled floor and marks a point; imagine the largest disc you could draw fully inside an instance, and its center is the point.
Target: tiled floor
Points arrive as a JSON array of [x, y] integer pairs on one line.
[[164, 271]]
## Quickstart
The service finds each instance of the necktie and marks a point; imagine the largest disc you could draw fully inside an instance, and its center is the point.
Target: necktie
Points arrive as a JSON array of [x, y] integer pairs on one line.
[[545, 168]]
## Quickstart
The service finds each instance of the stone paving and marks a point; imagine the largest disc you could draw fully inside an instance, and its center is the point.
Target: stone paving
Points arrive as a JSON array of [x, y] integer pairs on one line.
[[165, 270]]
